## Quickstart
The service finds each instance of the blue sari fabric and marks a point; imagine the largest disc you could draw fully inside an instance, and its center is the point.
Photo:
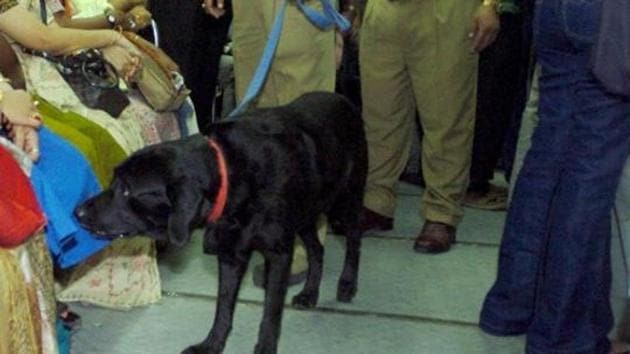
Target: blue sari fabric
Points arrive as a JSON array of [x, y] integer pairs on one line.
[[62, 179]]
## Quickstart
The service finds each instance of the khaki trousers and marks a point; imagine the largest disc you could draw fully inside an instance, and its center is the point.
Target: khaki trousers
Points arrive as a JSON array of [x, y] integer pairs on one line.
[[417, 55], [304, 60]]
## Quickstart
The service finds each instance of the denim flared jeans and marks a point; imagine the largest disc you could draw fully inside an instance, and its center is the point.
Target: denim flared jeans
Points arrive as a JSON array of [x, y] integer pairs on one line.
[[553, 280]]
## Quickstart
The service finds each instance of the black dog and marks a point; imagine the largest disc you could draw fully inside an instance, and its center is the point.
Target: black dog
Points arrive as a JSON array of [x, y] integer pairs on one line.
[[256, 182]]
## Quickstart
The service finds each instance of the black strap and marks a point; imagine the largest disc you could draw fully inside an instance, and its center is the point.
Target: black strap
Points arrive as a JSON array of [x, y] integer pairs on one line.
[[42, 11]]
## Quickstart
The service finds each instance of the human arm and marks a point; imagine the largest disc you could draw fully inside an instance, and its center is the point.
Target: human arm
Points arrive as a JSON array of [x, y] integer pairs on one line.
[[64, 19], [485, 25], [19, 118], [26, 29], [134, 19], [214, 8], [30, 32]]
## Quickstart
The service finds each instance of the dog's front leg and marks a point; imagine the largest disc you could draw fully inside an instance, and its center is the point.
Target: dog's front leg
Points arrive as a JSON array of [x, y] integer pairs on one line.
[[347, 285], [279, 267], [231, 272]]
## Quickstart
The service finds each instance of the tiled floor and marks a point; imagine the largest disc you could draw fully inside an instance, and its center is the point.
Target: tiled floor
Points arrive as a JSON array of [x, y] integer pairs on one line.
[[407, 302]]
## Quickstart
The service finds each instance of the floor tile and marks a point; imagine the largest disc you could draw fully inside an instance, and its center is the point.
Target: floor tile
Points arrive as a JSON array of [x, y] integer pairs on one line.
[[179, 321], [393, 278]]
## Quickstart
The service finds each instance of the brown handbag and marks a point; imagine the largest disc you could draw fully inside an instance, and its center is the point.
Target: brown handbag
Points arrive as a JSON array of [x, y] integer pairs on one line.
[[159, 81]]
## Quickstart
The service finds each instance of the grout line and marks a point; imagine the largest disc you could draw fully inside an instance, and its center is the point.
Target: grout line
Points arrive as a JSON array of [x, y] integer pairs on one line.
[[407, 239], [408, 194], [330, 310]]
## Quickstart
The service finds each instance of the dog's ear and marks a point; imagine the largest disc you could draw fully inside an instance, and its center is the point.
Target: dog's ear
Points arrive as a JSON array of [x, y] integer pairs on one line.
[[185, 205]]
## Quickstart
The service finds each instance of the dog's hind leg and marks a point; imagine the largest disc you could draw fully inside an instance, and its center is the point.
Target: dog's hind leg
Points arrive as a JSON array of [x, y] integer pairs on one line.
[[307, 298], [275, 292], [344, 214], [346, 210], [230, 276]]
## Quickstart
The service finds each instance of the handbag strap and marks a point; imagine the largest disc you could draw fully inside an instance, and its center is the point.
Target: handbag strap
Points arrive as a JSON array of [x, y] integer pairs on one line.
[[43, 11]]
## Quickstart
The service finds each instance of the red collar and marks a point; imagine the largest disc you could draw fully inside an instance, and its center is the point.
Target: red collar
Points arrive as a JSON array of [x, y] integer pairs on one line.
[[221, 197]]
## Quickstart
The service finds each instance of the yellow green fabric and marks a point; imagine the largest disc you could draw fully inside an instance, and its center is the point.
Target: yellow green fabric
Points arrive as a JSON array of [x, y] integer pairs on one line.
[[95, 143]]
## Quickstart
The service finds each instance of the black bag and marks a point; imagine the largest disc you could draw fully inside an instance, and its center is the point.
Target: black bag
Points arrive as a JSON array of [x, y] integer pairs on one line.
[[90, 76], [611, 54]]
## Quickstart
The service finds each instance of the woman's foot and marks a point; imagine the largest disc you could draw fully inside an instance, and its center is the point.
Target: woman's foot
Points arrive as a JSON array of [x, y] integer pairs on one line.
[[619, 347]]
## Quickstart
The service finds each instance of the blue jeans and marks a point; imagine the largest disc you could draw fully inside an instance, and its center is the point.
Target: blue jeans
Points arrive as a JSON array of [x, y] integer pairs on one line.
[[553, 280]]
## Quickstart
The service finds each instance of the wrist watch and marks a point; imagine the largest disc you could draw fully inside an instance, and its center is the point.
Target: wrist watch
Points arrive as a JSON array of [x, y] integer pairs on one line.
[[131, 23]]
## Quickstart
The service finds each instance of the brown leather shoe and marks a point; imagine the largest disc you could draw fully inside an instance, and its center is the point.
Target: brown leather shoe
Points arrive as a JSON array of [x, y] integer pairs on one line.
[[435, 237], [371, 220]]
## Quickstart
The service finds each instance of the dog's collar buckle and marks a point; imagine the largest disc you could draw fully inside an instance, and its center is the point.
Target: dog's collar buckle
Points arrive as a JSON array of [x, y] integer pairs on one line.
[[221, 197]]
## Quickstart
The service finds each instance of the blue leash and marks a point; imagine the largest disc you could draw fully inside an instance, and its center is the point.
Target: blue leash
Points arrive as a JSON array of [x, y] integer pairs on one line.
[[324, 20]]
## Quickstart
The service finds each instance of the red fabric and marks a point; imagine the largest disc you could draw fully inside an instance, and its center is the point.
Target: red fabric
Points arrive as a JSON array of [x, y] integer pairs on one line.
[[20, 214]]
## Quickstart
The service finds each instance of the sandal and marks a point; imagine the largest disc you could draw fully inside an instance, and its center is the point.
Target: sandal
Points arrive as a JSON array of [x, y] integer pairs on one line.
[[619, 347], [70, 320], [495, 199]]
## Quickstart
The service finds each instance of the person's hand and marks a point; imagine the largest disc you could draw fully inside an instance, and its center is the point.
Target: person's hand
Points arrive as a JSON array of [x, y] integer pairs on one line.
[[131, 48], [21, 121], [18, 109], [136, 19], [214, 8], [485, 27], [127, 65], [27, 139]]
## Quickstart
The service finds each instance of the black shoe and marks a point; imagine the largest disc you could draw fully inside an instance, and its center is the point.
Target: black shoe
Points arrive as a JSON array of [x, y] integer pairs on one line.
[[368, 221], [371, 220]]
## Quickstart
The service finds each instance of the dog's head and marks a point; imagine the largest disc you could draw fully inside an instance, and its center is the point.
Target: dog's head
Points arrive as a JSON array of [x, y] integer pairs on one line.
[[152, 193]]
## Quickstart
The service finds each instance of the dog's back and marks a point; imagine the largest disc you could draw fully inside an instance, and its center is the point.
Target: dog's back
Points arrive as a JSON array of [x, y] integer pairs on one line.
[[323, 115], [317, 142]]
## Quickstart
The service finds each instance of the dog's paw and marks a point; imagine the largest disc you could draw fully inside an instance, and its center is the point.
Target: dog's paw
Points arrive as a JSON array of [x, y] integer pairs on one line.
[[346, 291], [262, 348], [305, 300], [192, 350], [203, 349]]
